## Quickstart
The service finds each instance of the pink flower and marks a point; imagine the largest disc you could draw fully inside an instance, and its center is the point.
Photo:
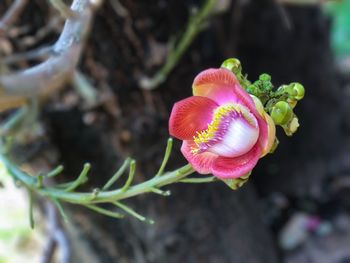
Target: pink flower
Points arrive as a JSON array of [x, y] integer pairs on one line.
[[224, 130]]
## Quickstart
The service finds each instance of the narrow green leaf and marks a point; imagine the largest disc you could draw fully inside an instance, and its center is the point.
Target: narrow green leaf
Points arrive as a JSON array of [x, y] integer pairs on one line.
[[104, 211], [81, 178], [117, 175], [130, 177], [168, 149]]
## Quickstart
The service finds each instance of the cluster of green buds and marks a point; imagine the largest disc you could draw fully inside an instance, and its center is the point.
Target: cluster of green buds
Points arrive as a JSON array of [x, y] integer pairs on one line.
[[279, 103], [281, 111]]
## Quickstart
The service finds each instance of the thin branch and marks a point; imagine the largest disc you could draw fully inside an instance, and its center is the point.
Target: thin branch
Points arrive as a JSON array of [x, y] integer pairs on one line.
[[58, 69], [84, 88], [32, 54], [49, 250], [195, 25], [85, 198], [12, 14], [57, 237], [284, 15], [61, 7]]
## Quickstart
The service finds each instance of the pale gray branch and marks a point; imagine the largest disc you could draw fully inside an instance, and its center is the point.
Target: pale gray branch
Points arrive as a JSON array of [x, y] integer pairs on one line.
[[52, 74]]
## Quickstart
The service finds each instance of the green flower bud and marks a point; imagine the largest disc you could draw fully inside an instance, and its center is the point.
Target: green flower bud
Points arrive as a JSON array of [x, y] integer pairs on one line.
[[281, 113], [265, 77], [251, 89], [232, 64], [299, 90]]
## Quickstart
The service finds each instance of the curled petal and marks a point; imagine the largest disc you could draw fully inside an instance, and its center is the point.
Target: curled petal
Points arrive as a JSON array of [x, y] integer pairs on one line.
[[201, 162], [258, 105], [268, 143], [222, 86], [189, 116], [267, 128], [228, 168]]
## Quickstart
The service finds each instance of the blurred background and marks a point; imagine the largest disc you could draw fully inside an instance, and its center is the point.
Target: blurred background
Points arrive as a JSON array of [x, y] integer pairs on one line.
[[295, 208]]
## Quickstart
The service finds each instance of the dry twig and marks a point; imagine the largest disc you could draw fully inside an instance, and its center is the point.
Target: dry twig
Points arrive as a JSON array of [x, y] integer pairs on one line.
[[57, 237], [45, 78], [12, 14]]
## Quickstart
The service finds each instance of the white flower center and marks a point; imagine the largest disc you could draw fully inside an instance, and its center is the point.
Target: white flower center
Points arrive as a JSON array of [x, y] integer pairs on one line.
[[239, 138], [233, 132]]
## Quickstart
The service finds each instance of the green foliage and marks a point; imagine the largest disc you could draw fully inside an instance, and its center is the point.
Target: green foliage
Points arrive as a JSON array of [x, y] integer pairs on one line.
[[340, 29], [109, 194]]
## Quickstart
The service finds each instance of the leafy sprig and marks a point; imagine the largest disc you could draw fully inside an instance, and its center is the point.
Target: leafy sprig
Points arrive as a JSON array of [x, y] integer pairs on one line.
[[68, 192]]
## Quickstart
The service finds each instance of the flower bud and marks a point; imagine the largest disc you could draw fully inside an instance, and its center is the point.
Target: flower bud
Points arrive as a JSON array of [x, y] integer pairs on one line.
[[232, 64], [265, 77], [299, 90], [281, 113]]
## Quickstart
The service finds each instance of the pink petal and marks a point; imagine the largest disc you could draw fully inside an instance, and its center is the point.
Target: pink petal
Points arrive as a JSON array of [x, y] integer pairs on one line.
[[201, 162], [226, 168], [189, 116], [217, 76], [222, 86]]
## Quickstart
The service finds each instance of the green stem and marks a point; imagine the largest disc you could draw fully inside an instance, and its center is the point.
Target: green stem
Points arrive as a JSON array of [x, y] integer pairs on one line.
[[84, 88], [14, 121], [86, 198], [31, 216], [194, 26], [199, 180], [60, 209], [115, 195]]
